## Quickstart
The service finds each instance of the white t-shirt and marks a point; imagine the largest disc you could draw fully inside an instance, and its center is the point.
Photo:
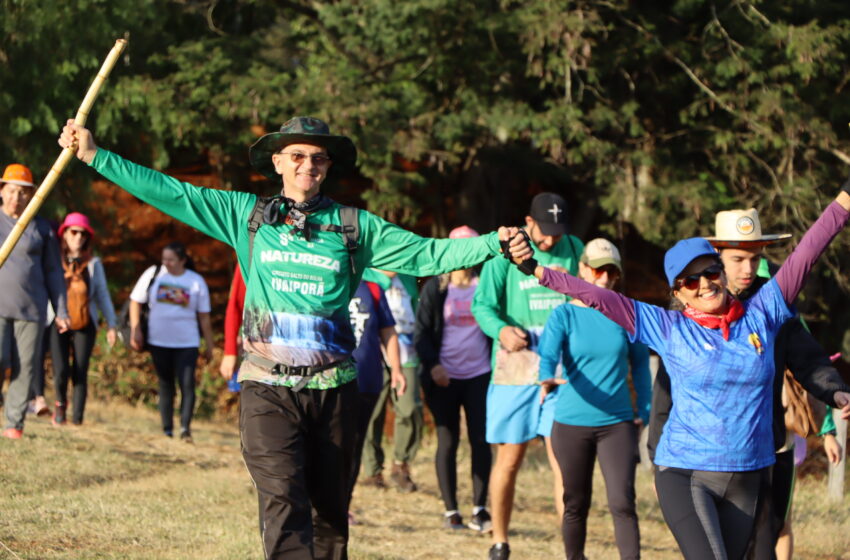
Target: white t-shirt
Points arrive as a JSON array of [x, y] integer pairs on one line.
[[175, 302]]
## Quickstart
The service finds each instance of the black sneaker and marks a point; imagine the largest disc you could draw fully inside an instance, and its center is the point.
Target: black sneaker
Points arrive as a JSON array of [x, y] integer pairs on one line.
[[186, 436], [481, 522], [453, 521], [499, 551]]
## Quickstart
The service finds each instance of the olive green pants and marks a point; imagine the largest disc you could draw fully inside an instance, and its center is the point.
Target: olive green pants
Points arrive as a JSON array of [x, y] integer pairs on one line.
[[407, 428]]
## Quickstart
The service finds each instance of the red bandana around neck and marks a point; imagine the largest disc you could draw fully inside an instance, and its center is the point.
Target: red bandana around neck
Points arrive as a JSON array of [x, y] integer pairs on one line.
[[735, 312]]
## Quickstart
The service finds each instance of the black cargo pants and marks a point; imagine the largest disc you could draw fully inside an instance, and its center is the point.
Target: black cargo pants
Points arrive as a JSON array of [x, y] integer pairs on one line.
[[299, 447]]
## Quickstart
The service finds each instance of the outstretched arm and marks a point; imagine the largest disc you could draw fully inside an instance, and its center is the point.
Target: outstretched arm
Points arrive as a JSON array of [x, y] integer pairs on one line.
[[616, 307], [613, 305], [793, 274]]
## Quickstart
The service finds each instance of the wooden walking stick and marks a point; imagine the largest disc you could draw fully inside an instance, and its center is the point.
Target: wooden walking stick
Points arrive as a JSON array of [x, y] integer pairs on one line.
[[63, 159]]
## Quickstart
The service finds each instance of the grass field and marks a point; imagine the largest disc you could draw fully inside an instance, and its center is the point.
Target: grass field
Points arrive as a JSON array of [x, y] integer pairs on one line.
[[117, 489]]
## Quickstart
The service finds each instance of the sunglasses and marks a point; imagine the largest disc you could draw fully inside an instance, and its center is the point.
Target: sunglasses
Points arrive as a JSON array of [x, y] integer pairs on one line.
[[317, 159], [712, 273], [613, 271], [78, 232]]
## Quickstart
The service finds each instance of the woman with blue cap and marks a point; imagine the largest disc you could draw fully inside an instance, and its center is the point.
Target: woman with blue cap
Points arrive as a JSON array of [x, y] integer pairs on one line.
[[717, 445]]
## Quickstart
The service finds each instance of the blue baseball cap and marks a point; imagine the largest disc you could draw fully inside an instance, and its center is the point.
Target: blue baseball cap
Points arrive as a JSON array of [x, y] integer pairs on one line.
[[682, 253]]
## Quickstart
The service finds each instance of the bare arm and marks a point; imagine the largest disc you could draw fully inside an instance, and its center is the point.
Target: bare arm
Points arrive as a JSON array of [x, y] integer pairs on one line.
[[389, 339], [137, 339], [206, 330]]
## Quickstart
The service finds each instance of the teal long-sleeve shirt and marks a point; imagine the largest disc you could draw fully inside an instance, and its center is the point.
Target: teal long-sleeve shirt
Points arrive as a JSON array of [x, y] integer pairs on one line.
[[596, 354], [296, 303]]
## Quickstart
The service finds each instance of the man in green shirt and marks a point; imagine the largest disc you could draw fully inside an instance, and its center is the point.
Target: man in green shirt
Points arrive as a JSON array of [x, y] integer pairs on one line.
[[298, 390], [512, 309]]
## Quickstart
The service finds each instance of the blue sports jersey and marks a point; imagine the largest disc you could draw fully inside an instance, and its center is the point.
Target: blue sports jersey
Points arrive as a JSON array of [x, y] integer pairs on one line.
[[721, 389], [368, 317]]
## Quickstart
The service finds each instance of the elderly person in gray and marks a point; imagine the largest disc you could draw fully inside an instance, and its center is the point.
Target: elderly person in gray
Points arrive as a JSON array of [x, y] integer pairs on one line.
[[30, 276]]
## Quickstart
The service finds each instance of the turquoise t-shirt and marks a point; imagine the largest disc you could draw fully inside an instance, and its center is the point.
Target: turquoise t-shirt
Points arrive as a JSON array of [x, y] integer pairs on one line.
[[596, 355]]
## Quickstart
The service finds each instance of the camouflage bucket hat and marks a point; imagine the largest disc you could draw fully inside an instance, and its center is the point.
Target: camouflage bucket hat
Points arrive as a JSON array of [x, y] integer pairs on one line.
[[303, 130]]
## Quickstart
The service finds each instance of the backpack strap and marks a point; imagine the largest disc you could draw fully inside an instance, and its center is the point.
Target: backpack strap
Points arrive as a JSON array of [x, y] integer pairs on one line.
[[153, 279], [350, 228], [255, 220], [350, 231]]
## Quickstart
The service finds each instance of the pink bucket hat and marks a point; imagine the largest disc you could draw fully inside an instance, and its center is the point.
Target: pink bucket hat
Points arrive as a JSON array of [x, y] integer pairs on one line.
[[462, 232], [75, 219]]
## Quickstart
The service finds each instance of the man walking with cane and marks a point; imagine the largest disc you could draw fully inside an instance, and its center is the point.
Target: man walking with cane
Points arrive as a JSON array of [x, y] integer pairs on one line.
[[302, 264]]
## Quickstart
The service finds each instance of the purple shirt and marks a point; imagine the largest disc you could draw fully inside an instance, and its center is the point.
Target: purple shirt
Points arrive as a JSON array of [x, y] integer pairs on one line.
[[464, 351]]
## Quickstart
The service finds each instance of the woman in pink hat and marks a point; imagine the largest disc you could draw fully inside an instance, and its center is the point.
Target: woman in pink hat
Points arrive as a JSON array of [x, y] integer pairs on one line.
[[87, 293], [455, 371]]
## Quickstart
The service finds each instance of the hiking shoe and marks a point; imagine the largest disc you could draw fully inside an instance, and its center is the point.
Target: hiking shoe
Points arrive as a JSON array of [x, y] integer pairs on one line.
[[59, 414], [40, 407], [453, 521], [481, 522], [499, 551], [376, 481], [13, 433], [186, 436], [400, 475]]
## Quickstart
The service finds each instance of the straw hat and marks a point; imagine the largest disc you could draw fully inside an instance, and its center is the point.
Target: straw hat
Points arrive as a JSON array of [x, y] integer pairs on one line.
[[741, 229]]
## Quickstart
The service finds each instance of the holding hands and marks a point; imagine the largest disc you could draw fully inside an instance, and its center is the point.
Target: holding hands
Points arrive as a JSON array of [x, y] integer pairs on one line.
[[516, 247]]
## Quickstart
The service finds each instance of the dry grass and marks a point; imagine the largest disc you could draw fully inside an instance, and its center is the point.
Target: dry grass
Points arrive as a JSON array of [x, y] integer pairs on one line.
[[117, 489]]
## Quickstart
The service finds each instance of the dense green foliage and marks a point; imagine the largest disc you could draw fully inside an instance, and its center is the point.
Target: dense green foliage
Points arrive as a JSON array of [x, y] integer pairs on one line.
[[655, 113]]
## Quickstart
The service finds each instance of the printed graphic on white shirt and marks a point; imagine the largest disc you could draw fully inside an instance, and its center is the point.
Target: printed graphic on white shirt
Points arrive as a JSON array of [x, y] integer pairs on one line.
[[173, 294]]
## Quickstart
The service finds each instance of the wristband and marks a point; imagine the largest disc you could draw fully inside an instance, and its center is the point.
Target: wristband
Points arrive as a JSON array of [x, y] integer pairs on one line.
[[846, 186], [528, 266], [506, 245]]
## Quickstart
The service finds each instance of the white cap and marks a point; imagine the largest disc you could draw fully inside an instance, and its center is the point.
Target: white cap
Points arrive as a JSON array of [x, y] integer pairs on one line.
[[599, 252]]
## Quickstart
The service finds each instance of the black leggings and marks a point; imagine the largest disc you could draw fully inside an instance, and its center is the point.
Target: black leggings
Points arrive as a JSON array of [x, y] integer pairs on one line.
[[445, 404], [774, 507], [576, 449], [175, 364], [711, 514], [76, 370]]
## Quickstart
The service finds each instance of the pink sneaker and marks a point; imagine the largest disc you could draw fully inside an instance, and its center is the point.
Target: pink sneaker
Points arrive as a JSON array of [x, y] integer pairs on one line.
[[40, 407], [13, 433]]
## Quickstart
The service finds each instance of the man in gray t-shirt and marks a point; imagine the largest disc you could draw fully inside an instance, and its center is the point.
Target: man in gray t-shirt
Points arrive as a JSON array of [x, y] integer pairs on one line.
[[30, 276]]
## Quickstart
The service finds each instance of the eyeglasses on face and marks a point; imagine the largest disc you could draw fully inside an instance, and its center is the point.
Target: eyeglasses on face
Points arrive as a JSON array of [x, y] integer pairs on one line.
[[712, 273], [613, 271], [317, 159]]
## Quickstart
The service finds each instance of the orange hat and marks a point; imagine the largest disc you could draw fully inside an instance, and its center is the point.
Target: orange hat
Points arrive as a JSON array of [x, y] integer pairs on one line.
[[18, 174]]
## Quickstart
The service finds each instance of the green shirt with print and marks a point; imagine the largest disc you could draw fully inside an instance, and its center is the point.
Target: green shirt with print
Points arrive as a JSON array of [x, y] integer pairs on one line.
[[296, 303], [507, 297]]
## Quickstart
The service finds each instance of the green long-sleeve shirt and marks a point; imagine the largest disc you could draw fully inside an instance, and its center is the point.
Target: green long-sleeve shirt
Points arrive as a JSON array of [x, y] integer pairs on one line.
[[296, 303], [507, 297]]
